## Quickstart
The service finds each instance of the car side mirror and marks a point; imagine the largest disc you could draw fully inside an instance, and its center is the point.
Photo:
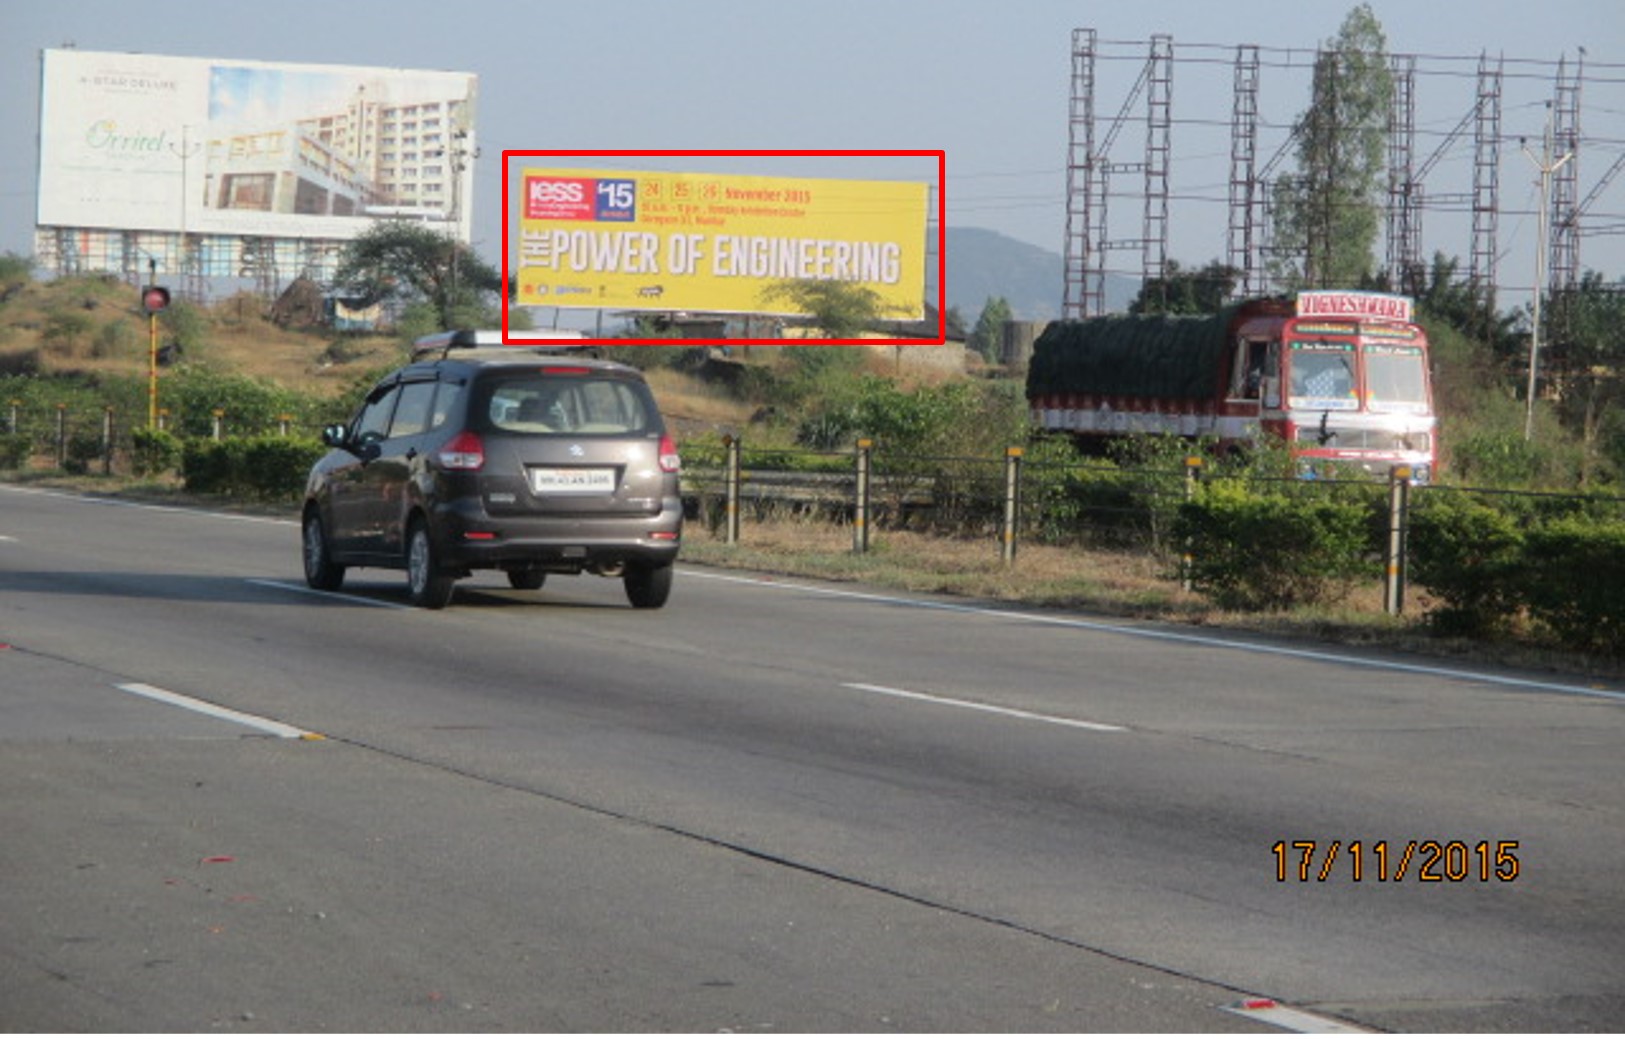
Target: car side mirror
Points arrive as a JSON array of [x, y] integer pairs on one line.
[[368, 446]]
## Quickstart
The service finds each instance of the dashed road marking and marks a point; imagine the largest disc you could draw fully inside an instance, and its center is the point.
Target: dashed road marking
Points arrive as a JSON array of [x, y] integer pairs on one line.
[[253, 721], [358, 600], [1291, 1019], [972, 705], [1183, 638]]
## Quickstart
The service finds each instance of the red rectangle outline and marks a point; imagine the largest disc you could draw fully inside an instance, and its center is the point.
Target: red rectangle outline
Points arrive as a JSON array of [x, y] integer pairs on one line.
[[942, 253]]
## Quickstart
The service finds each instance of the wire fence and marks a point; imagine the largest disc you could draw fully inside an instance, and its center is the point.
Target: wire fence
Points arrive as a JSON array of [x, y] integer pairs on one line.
[[1016, 499], [1493, 539], [91, 438]]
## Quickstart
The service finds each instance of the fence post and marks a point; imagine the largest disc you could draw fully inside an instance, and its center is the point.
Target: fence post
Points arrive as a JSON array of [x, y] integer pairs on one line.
[[1012, 503], [730, 490], [107, 441], [860, 507], [11, 424], [219, 414], [1193, 476], [61, 436], [282, 424], [1393, 581]]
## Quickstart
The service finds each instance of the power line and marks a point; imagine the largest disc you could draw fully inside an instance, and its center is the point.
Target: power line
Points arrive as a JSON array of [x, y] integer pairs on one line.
[[1097, 178]]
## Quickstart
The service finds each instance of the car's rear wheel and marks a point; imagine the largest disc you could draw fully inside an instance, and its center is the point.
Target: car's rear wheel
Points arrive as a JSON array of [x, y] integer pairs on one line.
[[427, 584], [648, 585], [320, 571], [527, 580]]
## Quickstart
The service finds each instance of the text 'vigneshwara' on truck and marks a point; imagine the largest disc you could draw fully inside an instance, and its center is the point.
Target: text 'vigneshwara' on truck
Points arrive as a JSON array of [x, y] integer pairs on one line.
[[1336, 376]]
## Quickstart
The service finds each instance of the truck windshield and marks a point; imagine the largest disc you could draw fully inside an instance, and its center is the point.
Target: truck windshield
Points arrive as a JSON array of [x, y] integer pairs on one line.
[[1395, 377], [1322, 376]]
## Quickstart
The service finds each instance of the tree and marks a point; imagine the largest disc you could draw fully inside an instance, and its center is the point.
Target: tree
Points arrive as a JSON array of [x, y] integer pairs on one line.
[[1204, 291], [842, 309], [1588, 363], [1327, 217], [410, 263], [1467, 308], [987, 338]]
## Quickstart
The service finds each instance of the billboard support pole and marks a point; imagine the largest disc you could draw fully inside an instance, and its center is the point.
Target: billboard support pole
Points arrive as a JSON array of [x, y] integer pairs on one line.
[[152, 352]]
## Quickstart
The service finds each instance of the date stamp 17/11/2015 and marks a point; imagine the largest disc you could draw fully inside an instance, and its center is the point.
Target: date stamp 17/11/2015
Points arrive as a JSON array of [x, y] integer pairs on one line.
[[1424, 861]]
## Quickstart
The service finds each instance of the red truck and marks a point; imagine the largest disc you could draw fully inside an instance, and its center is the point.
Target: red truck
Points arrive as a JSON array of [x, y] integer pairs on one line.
[[1335, 375]]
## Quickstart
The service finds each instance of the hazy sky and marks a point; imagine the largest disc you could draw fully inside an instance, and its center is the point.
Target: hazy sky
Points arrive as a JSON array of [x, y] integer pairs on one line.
[[987, 82]]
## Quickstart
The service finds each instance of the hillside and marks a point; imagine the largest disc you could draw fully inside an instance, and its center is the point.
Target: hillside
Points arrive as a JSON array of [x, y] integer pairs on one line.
[[93, 326], [983, 264]]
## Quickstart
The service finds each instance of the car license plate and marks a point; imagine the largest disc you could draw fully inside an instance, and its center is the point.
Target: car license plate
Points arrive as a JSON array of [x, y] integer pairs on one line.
[[572, 481]]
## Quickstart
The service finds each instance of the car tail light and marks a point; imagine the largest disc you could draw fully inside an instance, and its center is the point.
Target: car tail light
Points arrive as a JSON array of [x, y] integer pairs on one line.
[[670, 462], [463, 451]]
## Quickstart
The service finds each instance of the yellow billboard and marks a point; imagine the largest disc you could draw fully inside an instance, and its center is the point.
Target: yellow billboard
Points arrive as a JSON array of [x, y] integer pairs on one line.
[[713, 242]]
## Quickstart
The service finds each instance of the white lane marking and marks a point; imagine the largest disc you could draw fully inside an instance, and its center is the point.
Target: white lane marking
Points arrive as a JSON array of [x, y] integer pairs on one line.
[[358, 600], [121, 503], [1038, 618], [1290, 1018], [1174, 636], [972, 705], [151, 692]]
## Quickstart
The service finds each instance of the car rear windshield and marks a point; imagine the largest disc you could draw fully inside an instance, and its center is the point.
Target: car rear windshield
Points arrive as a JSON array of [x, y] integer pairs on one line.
[[539, 403]]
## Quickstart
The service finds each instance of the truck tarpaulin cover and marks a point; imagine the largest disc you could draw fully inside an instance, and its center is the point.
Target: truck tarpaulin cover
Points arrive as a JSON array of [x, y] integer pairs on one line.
[[1131, 356]]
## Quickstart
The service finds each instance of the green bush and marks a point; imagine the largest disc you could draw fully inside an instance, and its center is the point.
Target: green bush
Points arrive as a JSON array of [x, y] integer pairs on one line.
[[1577, 590], [14, 450], [268, 468], [213, 466], [154, 451], [251, 406], [1470, 556], [1273, 551], [277, 466], [84, 450]]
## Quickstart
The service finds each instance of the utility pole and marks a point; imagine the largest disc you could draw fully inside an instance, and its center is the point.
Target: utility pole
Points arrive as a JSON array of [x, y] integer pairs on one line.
[[188, 260], [1547, 166]]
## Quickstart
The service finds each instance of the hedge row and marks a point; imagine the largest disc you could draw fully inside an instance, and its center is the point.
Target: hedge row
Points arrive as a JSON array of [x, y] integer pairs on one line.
[[1275, 549], [1490, 569], [1492, 566], [266, 468]]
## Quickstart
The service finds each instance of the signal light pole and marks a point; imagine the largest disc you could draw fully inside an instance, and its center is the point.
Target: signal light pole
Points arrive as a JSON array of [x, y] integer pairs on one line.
[[154, 299]]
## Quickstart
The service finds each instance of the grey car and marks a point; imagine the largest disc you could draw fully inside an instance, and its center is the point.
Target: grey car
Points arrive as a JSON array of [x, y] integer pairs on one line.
[[530, 460]]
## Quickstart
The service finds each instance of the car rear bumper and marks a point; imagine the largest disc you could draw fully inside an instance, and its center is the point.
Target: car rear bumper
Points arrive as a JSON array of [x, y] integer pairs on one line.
[[470, 538]]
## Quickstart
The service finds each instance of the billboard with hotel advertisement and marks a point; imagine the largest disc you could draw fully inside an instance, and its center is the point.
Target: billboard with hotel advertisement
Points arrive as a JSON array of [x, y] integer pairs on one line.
[[711, 242], [201, 146]]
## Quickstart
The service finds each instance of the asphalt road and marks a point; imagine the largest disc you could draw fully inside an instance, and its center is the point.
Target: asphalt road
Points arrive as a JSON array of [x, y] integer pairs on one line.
[[774, 805]]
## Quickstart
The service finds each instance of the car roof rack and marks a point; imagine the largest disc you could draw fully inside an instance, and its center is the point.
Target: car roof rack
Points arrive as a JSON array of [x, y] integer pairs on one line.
[[550, 341]]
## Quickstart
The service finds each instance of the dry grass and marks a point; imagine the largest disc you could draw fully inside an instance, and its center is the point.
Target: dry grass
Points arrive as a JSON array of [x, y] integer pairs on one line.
[[1103, 583], [693, 406], [1120, 584], [915, 562], [1125, 584], [237, 336]]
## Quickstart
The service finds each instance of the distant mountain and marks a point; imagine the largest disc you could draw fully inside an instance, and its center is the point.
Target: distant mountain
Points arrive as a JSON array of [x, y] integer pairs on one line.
[[983, 264]]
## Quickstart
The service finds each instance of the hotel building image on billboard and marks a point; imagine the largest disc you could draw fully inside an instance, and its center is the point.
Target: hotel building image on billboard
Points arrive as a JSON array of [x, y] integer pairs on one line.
[[372, 157], [239, 169]]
